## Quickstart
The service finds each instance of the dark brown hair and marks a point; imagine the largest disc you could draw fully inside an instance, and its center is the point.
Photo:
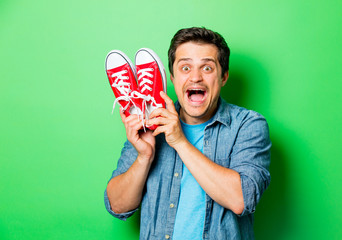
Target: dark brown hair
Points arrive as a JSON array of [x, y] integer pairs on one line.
[[200, 35]]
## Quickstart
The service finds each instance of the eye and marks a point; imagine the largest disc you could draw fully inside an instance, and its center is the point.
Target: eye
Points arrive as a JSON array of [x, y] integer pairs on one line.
[[185, 68], [207, 68]]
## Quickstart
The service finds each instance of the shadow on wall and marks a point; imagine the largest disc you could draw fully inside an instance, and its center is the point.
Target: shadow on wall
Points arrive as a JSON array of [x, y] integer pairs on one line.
[[248, 86], [272, 216], [135, 225]]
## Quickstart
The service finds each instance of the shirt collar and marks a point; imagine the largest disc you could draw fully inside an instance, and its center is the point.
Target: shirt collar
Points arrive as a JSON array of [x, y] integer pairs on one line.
[[222, 114]]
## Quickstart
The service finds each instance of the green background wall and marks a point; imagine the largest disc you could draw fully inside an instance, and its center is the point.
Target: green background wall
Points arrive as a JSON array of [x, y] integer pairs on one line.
[[59, 142]]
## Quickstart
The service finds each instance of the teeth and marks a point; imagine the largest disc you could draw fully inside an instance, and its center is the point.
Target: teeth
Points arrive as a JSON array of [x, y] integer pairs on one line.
[[196, 90]]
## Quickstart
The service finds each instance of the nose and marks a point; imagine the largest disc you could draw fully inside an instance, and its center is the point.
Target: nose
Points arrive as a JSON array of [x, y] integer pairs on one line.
[[196, 75]]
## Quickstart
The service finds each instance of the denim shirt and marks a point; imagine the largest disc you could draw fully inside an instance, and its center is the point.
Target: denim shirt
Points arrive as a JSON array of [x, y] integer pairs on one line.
[[238, 139]]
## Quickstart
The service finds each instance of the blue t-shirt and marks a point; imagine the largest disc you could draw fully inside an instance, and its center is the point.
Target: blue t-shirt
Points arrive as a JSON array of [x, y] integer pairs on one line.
[[189, 223]]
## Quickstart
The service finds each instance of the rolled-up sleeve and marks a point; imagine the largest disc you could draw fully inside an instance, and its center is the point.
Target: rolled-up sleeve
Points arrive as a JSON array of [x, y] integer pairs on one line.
[[121, 216], [251, 158], [127, 158]]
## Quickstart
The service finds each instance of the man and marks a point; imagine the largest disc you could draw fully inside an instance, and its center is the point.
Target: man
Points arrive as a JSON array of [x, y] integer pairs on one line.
[[201, 172]]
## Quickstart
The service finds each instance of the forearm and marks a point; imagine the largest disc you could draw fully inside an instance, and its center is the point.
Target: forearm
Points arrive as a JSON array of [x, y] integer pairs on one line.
[[222, 184], [125, 191]]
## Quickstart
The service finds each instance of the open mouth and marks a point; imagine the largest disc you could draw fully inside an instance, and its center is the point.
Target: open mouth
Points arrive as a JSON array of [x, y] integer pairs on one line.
[[196, 95]]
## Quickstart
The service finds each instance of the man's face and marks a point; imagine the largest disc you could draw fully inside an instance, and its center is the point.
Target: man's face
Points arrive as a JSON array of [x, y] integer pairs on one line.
[[197, 80]]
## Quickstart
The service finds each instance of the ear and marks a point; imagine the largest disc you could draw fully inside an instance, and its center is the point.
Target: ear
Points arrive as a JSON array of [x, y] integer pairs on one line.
[[225, 78]]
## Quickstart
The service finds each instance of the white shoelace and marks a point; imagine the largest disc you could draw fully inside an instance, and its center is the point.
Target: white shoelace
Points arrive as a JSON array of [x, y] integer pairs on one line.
[[123, 87], [146, 99], [119, 82], [142, 73], [144, 81], [127, 93]]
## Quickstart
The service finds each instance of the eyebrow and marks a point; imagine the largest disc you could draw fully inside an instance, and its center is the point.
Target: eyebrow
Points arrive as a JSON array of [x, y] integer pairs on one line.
[[190, 60], [184, 59], [209, 60]]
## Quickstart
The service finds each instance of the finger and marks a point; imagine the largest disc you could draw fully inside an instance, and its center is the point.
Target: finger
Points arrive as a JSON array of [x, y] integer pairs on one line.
[[159, 112], [133, 121], [168, 101], [158, 121], [158, 130], [124, 118], [122, 115]]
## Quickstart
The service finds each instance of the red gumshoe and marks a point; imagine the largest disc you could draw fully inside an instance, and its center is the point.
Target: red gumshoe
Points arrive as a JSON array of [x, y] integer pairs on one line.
[[122, 78], [151, 80]]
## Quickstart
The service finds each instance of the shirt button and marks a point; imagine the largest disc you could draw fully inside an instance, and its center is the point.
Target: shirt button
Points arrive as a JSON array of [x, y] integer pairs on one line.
[[172, 205], [176, 174], [167, 236]]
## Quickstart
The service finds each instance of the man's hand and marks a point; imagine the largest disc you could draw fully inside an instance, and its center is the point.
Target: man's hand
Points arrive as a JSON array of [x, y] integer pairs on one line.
[[143, 142], [168, 122], [125, 190]]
